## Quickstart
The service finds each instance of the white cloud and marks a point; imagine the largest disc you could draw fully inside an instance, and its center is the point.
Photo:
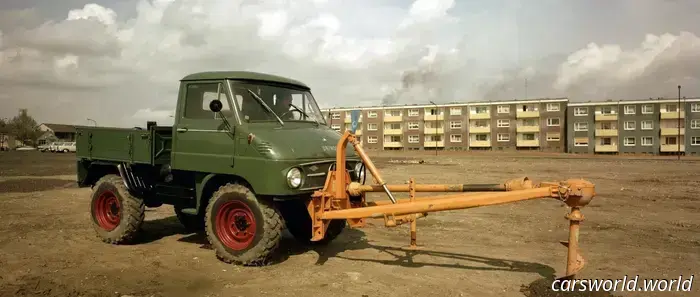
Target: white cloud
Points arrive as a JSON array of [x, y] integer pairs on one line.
[[122, 71]]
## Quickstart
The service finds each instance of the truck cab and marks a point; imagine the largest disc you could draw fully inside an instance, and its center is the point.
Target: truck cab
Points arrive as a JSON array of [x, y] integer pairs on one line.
[[241, 161]]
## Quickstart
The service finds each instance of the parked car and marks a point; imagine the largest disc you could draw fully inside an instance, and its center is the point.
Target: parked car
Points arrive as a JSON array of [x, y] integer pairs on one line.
[[25, 148], [54, 146], [44, 147], [66, 147]]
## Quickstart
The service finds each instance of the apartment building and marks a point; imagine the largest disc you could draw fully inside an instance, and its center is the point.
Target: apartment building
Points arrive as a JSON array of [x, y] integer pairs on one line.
[[654, 126], [506, 125]]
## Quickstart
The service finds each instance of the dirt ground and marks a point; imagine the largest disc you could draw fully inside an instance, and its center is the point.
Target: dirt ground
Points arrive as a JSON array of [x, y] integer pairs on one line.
[[644, 221]]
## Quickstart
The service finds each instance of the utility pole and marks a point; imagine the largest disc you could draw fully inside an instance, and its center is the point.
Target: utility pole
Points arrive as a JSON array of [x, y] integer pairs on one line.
[[679, 123], [436, 127]]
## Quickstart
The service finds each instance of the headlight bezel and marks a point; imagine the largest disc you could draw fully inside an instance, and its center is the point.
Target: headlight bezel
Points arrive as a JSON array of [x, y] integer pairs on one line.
[[360, 171], [290, 177]]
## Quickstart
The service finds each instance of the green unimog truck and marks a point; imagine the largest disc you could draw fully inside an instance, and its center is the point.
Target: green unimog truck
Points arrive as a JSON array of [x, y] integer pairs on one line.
[[245, 153]]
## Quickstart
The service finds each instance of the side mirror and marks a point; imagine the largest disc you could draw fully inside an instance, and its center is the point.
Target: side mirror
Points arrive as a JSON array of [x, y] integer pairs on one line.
[[215, 105]]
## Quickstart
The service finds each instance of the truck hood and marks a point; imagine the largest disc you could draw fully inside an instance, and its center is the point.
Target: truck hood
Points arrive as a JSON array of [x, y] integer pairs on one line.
[[300, 142]]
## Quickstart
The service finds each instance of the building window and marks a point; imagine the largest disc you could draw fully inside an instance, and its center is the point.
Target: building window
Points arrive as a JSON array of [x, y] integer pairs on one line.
[[371, 114], [581, 126], [335, 127], [695, 107], [553, 137], [413, 112], [394, 138], [630, 141], [335, 116], [581, 141], [647, 141], [630, 125], [695, 124], [607, 110], [434, 111], [502, 137], [413, 138], [393, 126], [695, 140], [503, 123], [456, 125], [433, 138], [480, 110], [455, 111], [372, 139], [553, 122], [504, 109], [413, 126], [670, 140], [581, 111], [456, 138], [371, 127], [552, 106], [647, 125], [671, 108], [481, 137], [647, 109], [630, 109], [606, 141], [393, 113], [529, 136]]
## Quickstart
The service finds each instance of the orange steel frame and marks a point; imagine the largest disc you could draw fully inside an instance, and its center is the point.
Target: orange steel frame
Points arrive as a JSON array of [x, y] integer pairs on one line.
[[342, 199]]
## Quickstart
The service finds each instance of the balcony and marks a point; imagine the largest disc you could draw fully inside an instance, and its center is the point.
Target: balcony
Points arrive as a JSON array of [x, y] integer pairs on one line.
[[671, 131], [393, 131], [388, 118], [433, 143], [432, 117], [672, 115], [527, 129], [433, 131], [527, 143], [527, 114], [479, 129], [393, 144], [479, 143], [609, 148], [479, 116], [671, 148], [606, 117], [606, 132]]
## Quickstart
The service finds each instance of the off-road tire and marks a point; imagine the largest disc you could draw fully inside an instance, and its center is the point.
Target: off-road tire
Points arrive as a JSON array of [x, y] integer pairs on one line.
[[268, 226], [298, 223], [192, 223], [132, 211]]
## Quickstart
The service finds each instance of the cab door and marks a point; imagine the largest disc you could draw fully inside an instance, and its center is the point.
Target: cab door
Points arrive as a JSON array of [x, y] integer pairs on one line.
[[201, 139]]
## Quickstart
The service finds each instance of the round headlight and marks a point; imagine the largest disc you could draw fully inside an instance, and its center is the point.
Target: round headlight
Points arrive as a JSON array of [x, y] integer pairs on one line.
[[360, 171], [294, 178]]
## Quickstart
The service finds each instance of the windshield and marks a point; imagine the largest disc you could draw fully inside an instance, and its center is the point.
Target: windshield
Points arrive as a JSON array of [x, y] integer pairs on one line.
[[289, 104]]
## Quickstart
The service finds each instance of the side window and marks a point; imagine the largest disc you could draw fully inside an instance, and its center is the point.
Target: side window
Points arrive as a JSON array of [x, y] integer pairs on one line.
[[198, 97]]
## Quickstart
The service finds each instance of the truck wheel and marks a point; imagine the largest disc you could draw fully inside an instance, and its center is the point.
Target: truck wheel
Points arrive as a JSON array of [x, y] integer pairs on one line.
[[192, 223], [241, 228], [117, 215], [298, 223]]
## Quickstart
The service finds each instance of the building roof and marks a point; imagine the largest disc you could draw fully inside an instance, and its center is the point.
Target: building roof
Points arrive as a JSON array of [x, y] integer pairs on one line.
[[243, 75], [452, 104], [635, 101], [61, 128]]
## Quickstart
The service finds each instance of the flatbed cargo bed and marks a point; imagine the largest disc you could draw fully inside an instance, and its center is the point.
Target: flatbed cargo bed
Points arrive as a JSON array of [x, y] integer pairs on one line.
[[128, 145]]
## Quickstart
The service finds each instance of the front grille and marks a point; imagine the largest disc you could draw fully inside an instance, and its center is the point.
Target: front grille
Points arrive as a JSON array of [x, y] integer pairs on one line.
[[315, 173]]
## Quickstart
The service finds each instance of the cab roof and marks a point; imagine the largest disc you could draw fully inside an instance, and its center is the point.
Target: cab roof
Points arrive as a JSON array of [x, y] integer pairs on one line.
[[242, 75]]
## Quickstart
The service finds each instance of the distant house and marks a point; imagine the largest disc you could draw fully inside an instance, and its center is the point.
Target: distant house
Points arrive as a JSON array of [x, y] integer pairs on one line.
[[56, 132]]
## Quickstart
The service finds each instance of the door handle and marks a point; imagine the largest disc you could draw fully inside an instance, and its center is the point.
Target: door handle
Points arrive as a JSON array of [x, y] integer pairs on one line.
[[181, 130]]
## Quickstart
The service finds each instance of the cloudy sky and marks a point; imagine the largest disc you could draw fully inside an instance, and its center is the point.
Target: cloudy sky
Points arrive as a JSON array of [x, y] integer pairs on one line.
[[119, 61]]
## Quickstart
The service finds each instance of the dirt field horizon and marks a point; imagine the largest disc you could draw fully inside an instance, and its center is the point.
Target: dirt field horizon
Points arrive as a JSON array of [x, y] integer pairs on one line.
[[644, 221]]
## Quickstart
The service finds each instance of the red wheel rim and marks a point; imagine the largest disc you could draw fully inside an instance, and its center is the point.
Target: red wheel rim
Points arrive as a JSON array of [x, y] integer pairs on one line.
[[235, 225], [108, 211]]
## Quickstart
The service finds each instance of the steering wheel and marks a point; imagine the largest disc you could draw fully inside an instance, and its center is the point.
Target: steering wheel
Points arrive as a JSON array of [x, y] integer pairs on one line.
[[292, 109]]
